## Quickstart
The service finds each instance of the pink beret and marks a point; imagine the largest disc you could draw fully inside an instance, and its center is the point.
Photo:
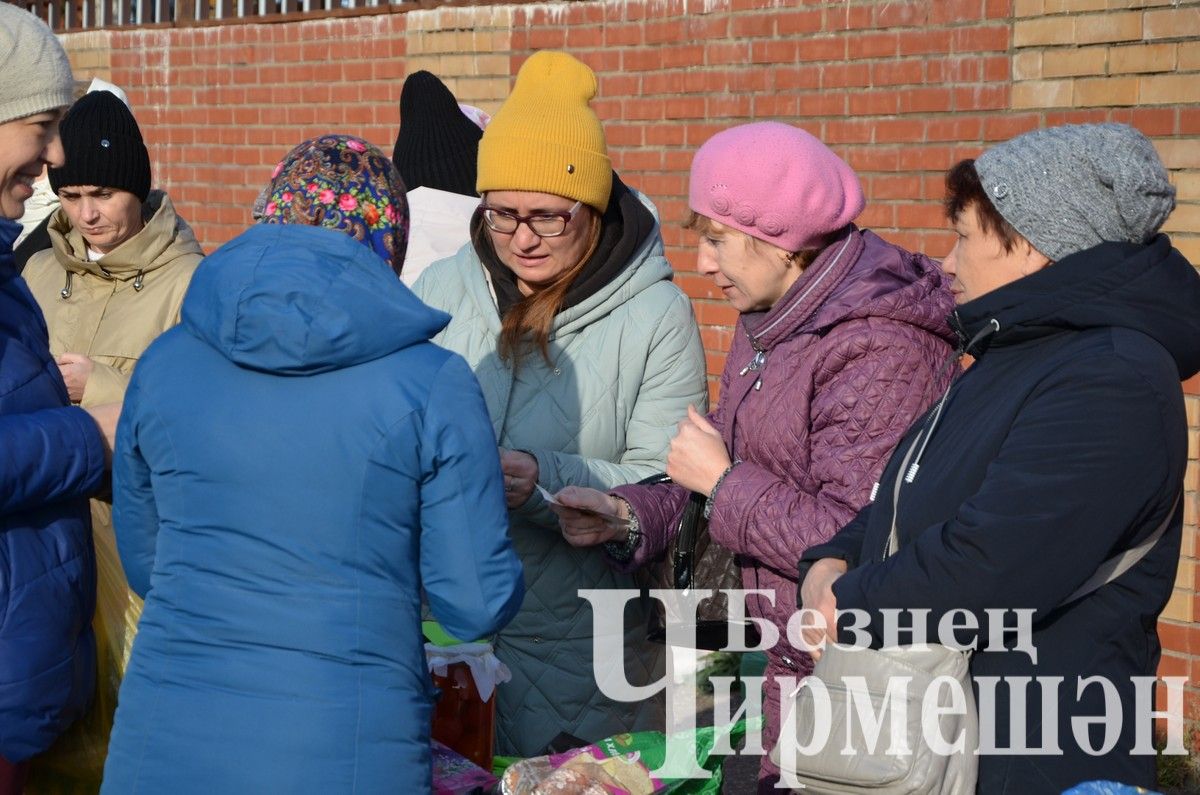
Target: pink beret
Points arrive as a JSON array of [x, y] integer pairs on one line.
[[774, 182]]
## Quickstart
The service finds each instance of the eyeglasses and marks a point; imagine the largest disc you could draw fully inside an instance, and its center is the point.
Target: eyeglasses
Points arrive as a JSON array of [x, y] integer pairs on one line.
[[541, 224]]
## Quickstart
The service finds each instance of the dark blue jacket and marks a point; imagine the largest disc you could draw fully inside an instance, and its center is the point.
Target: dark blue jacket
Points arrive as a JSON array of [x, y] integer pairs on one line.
[[51, 458], [296, 463], [1063, 445]]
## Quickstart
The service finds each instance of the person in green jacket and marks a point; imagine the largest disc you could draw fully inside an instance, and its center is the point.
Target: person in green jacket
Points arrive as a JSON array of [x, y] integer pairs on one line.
[[588, 356]]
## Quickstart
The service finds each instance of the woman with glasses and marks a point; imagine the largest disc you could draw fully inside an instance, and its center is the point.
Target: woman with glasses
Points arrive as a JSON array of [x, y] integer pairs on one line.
[[588, 356]]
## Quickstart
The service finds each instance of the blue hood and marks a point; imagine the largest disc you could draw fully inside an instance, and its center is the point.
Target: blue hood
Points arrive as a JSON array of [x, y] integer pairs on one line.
[[297, 300]]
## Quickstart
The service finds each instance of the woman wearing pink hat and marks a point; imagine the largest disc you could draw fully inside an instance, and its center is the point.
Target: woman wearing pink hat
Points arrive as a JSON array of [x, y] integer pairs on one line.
[[838, 349]]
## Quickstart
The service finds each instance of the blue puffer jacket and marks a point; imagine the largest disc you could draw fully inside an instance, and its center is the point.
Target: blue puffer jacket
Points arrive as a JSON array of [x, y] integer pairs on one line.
[[295, 463], [51, 458]]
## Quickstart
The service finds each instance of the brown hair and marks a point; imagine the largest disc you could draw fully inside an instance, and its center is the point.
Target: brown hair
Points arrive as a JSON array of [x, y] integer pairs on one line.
[[703, 225], [531, 319], [963, 190]]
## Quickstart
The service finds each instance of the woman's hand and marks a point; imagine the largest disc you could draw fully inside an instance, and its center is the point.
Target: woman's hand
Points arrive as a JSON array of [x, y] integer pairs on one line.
[[76, 368], [584, 528], [697, 456], [816, 593], [520, 476]]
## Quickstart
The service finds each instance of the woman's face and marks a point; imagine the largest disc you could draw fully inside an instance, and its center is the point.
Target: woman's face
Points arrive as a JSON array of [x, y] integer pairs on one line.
[[753, 275], [26, 146], [538, 261], [978, 263]]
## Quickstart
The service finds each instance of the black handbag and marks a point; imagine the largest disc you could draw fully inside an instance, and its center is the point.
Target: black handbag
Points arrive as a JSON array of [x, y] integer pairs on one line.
[[694, 560]]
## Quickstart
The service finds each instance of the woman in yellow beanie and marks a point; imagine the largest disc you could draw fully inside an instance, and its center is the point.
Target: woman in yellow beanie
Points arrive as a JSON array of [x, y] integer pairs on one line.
[[588, 356]]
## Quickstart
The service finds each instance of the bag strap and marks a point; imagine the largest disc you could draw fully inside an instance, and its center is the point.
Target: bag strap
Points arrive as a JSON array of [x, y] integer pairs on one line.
[[1108, 571], [1117, 565]]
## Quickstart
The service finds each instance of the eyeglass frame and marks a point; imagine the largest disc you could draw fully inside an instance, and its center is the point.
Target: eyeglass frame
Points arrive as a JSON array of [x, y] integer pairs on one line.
[[567, 216]]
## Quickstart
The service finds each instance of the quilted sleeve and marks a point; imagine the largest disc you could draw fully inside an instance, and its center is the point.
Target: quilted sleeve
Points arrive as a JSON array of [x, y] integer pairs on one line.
[[471, 575], [48, 455], [674, 379], [874, 380]]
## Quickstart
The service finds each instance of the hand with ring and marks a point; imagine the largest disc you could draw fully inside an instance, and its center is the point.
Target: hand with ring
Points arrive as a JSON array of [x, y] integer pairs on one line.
[[520, 476]]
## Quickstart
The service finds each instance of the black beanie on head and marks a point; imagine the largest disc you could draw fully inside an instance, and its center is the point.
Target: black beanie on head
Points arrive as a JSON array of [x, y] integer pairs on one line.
[[437, 145], [103, 146]]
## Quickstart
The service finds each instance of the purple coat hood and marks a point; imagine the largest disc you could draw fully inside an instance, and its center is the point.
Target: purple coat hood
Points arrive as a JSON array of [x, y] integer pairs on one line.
[[815, 394]]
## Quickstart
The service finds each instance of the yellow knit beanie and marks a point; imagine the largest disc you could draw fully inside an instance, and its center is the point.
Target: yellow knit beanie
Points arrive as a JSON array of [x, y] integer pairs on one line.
[[545, 138]]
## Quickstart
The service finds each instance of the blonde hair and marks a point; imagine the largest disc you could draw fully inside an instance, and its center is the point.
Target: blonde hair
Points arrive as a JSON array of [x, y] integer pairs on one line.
[[703, 225]]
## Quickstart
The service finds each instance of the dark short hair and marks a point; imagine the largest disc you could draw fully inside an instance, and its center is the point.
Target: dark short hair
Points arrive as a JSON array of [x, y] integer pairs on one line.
[[963, 190]]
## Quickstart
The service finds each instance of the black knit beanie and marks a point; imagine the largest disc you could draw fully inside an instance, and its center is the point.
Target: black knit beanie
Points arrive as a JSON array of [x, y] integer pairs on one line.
[[437, 145], [103, 146]]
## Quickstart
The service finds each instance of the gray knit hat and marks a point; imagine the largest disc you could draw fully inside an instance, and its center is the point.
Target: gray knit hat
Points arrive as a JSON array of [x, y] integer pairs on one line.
[[35, 75], [1067, 189]]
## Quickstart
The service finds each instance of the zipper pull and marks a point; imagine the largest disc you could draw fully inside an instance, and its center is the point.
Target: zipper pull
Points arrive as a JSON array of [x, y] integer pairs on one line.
[[760, 358]]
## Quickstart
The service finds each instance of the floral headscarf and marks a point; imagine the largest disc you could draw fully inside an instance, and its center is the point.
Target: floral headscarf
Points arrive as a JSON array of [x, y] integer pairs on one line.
[[342, 182]]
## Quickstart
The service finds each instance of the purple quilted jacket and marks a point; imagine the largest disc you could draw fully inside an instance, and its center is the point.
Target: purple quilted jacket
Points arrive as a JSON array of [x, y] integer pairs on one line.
[[815, 394]]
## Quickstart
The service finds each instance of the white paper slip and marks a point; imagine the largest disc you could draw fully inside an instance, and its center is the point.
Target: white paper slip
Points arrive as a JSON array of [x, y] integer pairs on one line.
[[609, 518]]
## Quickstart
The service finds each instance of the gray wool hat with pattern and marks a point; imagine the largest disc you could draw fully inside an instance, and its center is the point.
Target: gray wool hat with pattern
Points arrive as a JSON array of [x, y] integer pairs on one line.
[[1069, 188], [35, 75]]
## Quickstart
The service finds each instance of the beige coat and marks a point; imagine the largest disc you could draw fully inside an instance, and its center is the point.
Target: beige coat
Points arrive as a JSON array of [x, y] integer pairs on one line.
[[112, 309]]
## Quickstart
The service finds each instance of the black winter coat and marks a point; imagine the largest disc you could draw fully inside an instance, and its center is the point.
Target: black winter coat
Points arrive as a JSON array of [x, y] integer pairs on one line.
[[1063, 445]]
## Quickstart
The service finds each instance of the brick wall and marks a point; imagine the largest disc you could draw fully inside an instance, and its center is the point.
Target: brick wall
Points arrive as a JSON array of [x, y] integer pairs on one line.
[[901, 89]]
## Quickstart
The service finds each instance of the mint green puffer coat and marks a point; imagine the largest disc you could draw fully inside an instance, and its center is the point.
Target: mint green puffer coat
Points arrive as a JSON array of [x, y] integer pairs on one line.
[[627, 361]]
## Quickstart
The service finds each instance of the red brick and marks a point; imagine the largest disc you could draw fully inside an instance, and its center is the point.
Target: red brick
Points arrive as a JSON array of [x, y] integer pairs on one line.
[[684, 108], [662, 32], [782, 105], [873, 158], [641, 60], [807, 76], [774, 52], [899, 131], [716, 339], [715, 314], [697, 286], [819, 48], [894, 186], [955, 128], [982, 39], [699, 27], [749, 25], [1189, 124], [985, 97], [925, 100], [748, 79], [874, 45], [893, 14], [581, 37], [623, 134], [688, 56], [919, 216], [844, 16], [853, 131], [824, 103], [794, 22], [619, 35], [841, 75], [878, 215], [547, 38], [1001, 128], [955, 11], [874, 103], [729, 106], [919, 42], [726, 52], [955, 69], [895, 73]]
